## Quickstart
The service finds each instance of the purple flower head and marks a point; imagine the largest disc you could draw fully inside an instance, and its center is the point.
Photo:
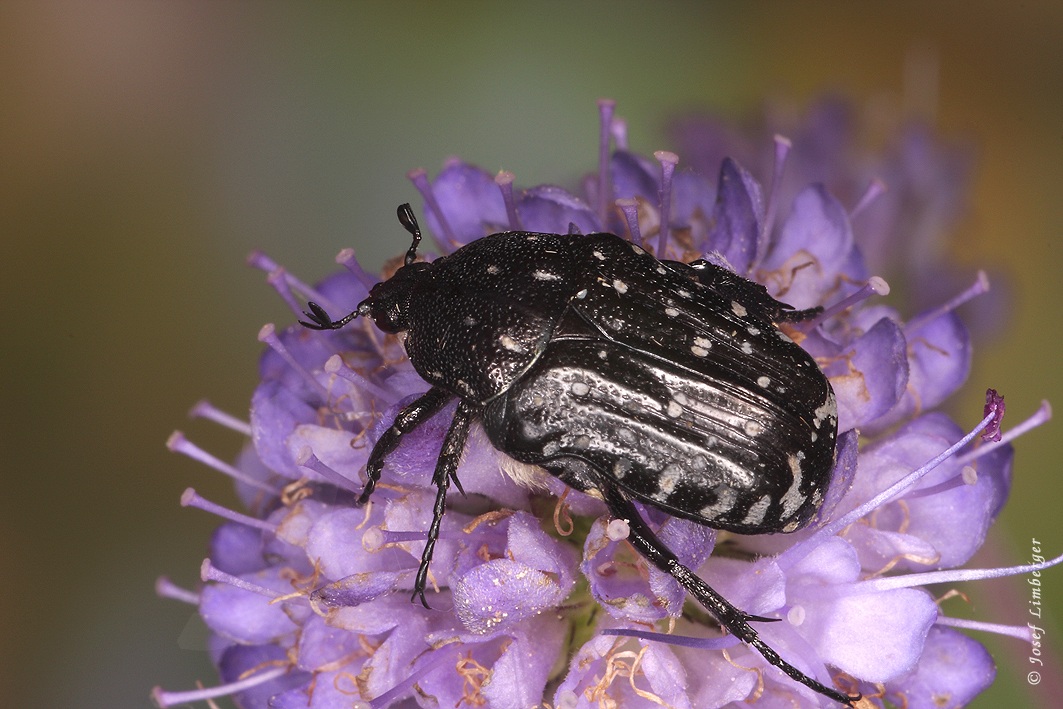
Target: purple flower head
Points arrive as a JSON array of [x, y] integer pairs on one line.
[[536, 593]]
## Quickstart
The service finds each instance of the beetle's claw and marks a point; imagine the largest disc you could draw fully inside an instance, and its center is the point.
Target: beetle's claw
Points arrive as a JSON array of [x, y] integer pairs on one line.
[[320, 318]]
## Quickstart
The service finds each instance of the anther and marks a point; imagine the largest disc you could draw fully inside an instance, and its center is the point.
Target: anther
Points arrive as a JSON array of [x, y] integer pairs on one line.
[[268, 335], [876, 189], [419, 178], [874, 286], [307, 459], [630, 208], [668, 162], [346, 258], [204, 409], [980, 286], [504, 180], [336, 365], [189, 498], [165, 588], [605, 182], [179, 444]]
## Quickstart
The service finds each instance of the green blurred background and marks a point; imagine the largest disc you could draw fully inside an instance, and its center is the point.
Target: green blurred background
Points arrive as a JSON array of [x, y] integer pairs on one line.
[[147, 147]]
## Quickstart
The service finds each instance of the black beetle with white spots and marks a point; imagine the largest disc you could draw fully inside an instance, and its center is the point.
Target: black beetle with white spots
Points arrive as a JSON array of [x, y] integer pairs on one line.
[[628, 378]]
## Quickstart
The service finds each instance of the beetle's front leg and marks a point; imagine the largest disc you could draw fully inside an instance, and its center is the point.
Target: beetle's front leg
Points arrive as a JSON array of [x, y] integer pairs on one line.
[[446, 470], [424, 408]]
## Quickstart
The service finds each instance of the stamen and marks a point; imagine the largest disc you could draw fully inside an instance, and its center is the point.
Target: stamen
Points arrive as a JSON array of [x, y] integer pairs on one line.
[[419, 178], [179, 444], [210, 572], [1022, 632], [189, 498], [336, 365], [668, 162], [165, 588], [262, 262], [888, 583], [268, 335], [618, 127], [980, 286], [682, 640], [347, 259], [876, 189], [874, 286], [782, 150], [605, 178], [1041, 416], [504, 180], [204, 409], [799, 551], [307, 459], [277, 279], [630, 208], [441, 657], [169, 699]]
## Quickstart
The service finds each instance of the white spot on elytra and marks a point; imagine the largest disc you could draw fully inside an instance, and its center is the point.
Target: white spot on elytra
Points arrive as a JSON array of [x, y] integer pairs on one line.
[[699, 351], [756, 513], [602, 354], [738, 309], [620, 286], [674, 409], [683, 293], [668, 479], [510, 344], [783, 336], [621, 468], [724, 503], [671, 312], [637, 249], [493, 270], [470, 321], [580, 389], [661, 270], [598, 255], [753, 331], [753, 428], [763, 381], [545, 276], [747, 348], [581, 294], [793, 497]]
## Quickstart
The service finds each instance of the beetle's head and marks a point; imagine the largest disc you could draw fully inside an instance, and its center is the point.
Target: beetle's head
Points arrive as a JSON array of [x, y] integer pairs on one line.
[[389, 300]]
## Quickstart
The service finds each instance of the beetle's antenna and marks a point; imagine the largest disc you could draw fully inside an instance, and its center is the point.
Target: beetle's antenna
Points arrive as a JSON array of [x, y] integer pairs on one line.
[[409, 221]]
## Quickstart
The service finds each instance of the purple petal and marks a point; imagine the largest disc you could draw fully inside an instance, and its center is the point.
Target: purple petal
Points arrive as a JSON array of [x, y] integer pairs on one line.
[[245, 616], [471, 202], [550, 210], [237, 549], [500, 593], [951, 672], [737, 217], [872, 377], [519, 676], [238, 659]]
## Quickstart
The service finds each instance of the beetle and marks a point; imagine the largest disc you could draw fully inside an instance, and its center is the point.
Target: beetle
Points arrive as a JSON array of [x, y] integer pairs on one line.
[[627, 377]]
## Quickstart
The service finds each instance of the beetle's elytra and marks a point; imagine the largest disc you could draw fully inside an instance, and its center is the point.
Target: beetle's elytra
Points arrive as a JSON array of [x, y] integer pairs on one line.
[[626, 377]]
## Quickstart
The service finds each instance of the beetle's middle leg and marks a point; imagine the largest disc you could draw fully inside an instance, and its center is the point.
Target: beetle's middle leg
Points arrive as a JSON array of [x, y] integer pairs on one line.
[[446, 470], [412, 416]]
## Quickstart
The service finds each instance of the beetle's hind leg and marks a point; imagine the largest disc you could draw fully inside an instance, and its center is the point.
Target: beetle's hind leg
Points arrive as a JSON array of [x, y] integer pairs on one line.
[[416, 413], [735, 621], [446, 470]]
